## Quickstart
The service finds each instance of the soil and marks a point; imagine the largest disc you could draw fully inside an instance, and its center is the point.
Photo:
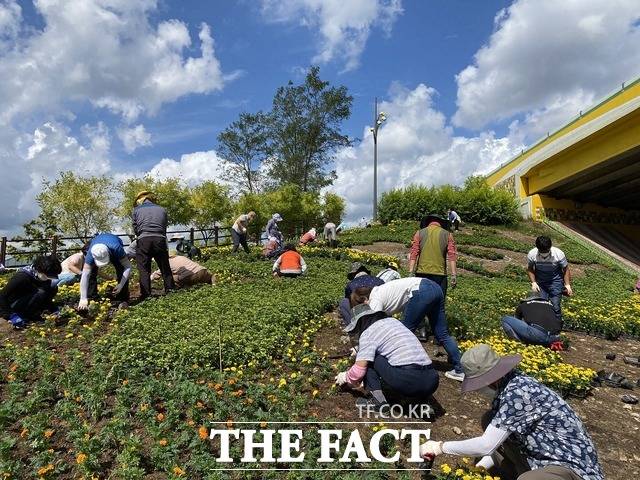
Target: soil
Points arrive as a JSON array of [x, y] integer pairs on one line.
[[613, 425]]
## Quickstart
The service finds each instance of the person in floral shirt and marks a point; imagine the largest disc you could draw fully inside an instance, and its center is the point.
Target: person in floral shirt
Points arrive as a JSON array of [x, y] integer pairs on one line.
[[531, 433]]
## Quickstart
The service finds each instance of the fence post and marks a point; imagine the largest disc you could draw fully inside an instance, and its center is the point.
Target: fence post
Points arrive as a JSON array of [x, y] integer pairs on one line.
[[192, 235], [216, 233], [3, 251], [54, 245]]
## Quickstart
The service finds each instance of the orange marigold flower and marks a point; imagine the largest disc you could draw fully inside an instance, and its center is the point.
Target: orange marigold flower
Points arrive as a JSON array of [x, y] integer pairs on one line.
[[44, 470], [160, 417], [49, 433], [178, 471], [203, 432], [163, 442], [81, 458]]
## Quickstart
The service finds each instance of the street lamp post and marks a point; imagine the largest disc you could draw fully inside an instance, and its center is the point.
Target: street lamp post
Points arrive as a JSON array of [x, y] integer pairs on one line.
[[378, 119]]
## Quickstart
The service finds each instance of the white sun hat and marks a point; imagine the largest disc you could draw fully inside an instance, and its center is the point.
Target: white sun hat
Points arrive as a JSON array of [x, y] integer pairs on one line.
[[100, 253]]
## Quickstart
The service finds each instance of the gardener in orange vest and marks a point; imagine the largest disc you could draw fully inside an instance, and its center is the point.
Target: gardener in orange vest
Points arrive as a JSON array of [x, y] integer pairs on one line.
[[432, 248], [290, 263]]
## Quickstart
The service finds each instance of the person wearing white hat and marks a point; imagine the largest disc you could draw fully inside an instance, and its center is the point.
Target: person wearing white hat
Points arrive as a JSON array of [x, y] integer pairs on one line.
[[272, 229], [530, 433], [104, 249]]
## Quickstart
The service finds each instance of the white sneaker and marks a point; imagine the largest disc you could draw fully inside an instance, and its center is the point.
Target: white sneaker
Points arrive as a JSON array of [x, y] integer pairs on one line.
[[453, 375]]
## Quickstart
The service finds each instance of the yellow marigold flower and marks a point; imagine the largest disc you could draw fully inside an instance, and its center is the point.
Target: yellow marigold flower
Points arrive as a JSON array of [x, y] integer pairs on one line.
[[81, 458], [445, 468]]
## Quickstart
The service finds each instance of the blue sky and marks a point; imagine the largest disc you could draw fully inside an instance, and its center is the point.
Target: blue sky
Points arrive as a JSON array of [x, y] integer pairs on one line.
[[123, 88]]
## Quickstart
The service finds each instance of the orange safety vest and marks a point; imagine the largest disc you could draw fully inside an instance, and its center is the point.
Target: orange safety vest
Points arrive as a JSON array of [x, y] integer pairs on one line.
[[290, 262]]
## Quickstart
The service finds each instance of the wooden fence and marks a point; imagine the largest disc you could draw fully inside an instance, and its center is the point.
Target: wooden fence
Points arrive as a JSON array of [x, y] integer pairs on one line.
[[55, 244]]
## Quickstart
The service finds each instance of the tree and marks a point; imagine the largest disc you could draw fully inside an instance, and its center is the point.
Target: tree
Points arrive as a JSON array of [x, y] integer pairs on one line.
[[40, 232], [304, 132], [170, 193], [81, 206], [243, 146], [333, 207], [210, 203]]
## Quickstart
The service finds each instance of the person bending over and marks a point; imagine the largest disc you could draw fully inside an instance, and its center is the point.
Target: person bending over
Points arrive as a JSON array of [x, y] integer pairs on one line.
[[415, 298], [290, 263], [535, 322], [530, 432], [30, 291], [104, 249]]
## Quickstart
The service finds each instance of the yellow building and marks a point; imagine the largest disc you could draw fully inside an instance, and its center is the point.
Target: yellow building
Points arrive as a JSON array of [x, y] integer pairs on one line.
[[586, 175]]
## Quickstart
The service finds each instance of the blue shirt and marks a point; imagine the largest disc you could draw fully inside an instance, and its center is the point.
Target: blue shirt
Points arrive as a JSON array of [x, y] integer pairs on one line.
[[113, 243], [545, 428]]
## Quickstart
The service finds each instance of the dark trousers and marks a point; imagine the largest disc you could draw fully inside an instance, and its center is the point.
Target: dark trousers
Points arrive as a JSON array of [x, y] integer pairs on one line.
[[553, 293], [239, 239], [439, 279], [414, 383], [92, 290], [31, 306], [153, 248]]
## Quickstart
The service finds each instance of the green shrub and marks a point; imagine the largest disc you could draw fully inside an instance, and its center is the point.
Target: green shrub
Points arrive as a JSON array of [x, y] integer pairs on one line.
[[476, 202], [480, 253]]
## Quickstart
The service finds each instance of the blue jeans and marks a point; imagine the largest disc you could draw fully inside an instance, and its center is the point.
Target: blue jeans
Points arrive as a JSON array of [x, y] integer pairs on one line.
[[345, 311], [554, 295], [67, 278], [525, 333], [428, 301]]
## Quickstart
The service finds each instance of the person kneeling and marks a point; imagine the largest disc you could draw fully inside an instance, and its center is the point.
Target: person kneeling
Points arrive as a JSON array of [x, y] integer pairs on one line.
[[535, 322], [185, 272], [290, 263], [388, 355], [30, 292], [530, 433]]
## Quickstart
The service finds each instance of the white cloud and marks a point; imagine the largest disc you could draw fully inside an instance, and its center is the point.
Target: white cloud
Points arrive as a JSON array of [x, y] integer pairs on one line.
[[549, 58], [134, 137], [27, 159], [344, 26], [105, 52], [192, 168], [10, 16], [415, 146]]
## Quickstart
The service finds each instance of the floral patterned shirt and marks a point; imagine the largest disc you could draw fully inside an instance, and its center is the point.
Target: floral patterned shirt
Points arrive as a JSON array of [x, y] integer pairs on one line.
[[544, 426]]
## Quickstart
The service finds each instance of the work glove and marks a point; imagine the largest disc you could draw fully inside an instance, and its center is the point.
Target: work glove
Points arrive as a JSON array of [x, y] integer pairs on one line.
[[83, 305], [569, 289], [535, 287], [454, 281], [430, 449], [341, 379]]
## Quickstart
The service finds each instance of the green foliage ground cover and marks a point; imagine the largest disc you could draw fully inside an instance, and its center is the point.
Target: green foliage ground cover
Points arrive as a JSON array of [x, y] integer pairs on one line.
[[603, 303], [135, 397]]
